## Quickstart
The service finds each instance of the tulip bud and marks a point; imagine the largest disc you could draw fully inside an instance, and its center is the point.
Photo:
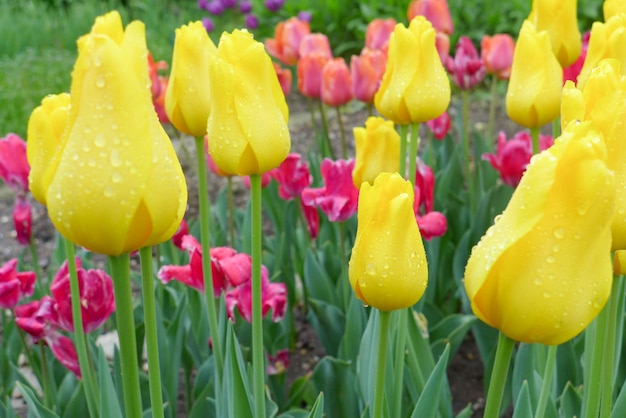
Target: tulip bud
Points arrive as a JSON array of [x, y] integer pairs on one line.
[[497, 54], [534, 94], [378, 32], [286, 42], [415, 87], [543, 272], [336, 83], [247, 128], [187, 99], [377, 150], [367, 71], [388, 269], [436, 11], [558, 18], [117, 184], [466, 68]]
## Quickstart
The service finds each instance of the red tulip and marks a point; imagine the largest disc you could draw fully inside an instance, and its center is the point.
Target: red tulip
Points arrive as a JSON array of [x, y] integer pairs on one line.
[[338, 198], [336, 83], [286, 42], [430, 223], [497, 54], [378, 32], [14, 285], [14, 166], [293, 176], [96, 298], [23, 220], [440, 126], [436, 11], [182, 231], [512, 156], [466, 68], [367, 72], [273, 296], [312, 218]]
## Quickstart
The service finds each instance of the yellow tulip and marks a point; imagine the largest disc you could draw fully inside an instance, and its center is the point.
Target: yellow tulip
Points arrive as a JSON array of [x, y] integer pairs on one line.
[[572, 104], [247, 127], [118, 185], [607, 40], [187, 99], [45, 128], [388, 267], [543, 271], [534, 94], [603, 101], [377, 150], [558, 18], [612, 8], [619, 263], [415, 86]]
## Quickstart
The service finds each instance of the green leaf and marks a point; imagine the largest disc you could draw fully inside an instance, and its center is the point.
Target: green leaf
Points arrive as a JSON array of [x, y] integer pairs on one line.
[[571, 402], [451, 330], [429, 399], [523, 406], [235, 386], [317, 411], [466, 412], [329, 323], [336, 379], [318, 283], [7, 411], [355, 325], [109, 403], [35, 408]]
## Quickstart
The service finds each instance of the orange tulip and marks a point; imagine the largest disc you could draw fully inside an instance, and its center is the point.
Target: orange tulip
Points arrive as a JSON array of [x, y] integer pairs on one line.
[[310, 74], [336, 83], [286, 42], [497, 54], [436, 11], [367, 71]]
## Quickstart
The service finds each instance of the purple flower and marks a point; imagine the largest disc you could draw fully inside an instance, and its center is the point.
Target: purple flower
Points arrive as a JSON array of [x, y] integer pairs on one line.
[[245, 6], [252, 22], [229, 4], [203, 4], [208, 24], [274, 5], [215, 7], [305, 16]]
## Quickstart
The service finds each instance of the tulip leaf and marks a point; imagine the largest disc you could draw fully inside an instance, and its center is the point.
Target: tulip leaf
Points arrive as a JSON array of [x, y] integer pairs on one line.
[[336, 377], [235, 386], [318, 284], [70, 397], [429, 399], [619, 407], [571, 402], [317, 411], [355, 324], [329, 323], [35, 408], [451, 330], [7, 411], [523, 406], [109, 403], [466, 412]]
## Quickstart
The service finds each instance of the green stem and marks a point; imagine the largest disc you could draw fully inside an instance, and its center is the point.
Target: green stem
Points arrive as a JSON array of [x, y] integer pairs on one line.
[[370, 110], [396, 405], [125, 320], [344, 264], [342, 131], [547, 381], [593, 387], [91, 386], [413, 147], [150, 322], [49, 398], [609, 350], [313, 122], [379, 394], [534, 134], [231, 212], [325, 131], [466, 150], [492, 107], [404, 131], [497, 381], [258, 363], [203, 199]]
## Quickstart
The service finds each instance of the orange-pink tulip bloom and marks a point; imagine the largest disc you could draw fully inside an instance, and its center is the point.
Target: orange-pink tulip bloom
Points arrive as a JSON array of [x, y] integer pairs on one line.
[[497, 54]]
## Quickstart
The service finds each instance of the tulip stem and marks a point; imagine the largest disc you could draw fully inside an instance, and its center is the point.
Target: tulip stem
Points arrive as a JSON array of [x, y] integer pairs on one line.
[[325, 131], [399, 357], [609, 349], [547, 381], [492, 107], [258, 364], [379, 394], [404, 132], [497, 382], [125, 321], [466, 150], [413, 147], [203, 201], [342, 131], [152, 342], [91, 386], [534, 135], [231, 211]]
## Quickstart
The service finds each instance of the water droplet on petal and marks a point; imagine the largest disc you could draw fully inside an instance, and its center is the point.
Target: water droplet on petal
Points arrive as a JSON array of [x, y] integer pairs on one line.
[[108, 191], [100, 141], [100, 81], [559, 233], [115, 159]]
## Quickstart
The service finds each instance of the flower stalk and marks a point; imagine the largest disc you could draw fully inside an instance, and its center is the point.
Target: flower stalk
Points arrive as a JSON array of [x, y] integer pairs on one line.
[[497, 382], [381, 362]]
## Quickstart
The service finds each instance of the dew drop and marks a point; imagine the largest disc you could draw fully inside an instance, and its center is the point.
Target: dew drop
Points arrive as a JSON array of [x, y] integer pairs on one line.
[[538, 282], [370, 269], [559, 233], [97, 61], [116, 177], [550, 259], [100, 140], [115, 159], [108, 191], [547, 295], [100, 81]]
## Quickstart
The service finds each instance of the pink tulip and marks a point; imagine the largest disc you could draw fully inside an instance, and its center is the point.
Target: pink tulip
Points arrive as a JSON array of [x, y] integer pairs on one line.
[[14, 285], [430, 223], [158, 86], [286, 42], [310, 74], [338, 198], [436, 11], [266, 178], [273, 296], [378, 33], [315, 43], [512, 156], [14, 166], [440, 126], [177, 238], [571, 72], [336, 83], [466, 68], [23, 220], [312, 218], [63, 349], [497, 54], [367, 72], [277, 364], [293, 176], [96, 298], [284, 78]]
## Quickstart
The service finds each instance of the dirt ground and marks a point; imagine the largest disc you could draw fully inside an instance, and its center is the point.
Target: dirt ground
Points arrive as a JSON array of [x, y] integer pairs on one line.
[[465, 372]]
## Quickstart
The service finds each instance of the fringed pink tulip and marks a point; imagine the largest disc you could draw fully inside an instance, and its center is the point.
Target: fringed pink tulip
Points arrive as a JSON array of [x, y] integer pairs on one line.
[[338, 198], [23, 220], [14, 166], [293, 176], [440, 126], [14, 285], [466, 68], [182, 231], [273, 296], [312, 217]]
